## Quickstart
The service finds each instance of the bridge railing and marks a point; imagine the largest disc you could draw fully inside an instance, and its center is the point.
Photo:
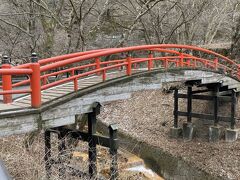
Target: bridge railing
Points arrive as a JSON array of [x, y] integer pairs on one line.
[[94, 63], [33, 72]]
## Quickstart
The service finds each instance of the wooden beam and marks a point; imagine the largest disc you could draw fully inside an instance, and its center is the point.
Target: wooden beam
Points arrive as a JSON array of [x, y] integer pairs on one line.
[[204, 116], [189, 104], [175, 108], [233, 109], [201, 91], [206, 97], [223, 93]]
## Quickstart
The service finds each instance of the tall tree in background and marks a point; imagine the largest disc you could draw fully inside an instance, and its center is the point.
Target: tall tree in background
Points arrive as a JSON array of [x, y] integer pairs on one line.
[[52, 27]]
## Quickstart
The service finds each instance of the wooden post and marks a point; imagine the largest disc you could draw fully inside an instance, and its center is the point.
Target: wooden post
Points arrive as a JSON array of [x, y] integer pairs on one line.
[[92, 151], [189, 104], [176, 108], [233, 109], [61, 149], [113, 151], [47, 156], [216, 105]]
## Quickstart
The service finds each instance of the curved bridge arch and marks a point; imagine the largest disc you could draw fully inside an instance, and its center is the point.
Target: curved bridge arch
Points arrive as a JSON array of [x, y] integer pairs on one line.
[[61, 111], [129, 59]]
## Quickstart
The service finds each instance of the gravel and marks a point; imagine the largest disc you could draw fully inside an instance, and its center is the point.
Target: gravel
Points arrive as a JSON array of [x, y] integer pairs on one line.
[[148, 116]]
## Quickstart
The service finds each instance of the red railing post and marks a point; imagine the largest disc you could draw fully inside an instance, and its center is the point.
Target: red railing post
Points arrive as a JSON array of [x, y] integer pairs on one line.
[[177, 63], [120, 67], [75, 80], [216, 63], [35, 82], [98, 66], [165, 63], [75, 84], [188, 62], [72, 73], [104, 75], [150, 64], [194, 63], [44, 81], [181, 60], [129, 65], [6, 80]]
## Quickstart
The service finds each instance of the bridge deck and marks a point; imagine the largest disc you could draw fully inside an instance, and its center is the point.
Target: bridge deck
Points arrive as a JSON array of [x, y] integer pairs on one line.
[[59, 91]]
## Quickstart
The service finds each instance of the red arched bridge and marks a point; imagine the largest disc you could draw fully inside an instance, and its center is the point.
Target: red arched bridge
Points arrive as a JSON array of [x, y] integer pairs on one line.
[[128, 60], [58, 88]]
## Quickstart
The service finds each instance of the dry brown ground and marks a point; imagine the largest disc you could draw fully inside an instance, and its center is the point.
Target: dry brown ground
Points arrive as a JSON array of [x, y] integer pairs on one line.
[[28, 164], [148, 116]]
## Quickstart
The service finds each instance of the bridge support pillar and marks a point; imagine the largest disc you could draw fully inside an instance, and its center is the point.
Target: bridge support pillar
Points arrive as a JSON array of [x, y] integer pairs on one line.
[[61, 151], [188, 131], [47, 156], [231, 135], [233, 109], [216, 105], [92, 146], [175, 131], [93, 140], [214, 133], [189, 104], [176, 108]]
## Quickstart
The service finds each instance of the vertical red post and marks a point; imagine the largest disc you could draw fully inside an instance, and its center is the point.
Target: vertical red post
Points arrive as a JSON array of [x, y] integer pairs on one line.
[[188, 62], [129, 65], [6, 80], [165, 63], [216, 63], [206, 64], [104, 75], [72, 73], [181, 60], [177, 63], [35, 82], [75, 84], [98, 66], [44, 80], [135, 65], [150, 63], [120, 67], [194, 63]]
